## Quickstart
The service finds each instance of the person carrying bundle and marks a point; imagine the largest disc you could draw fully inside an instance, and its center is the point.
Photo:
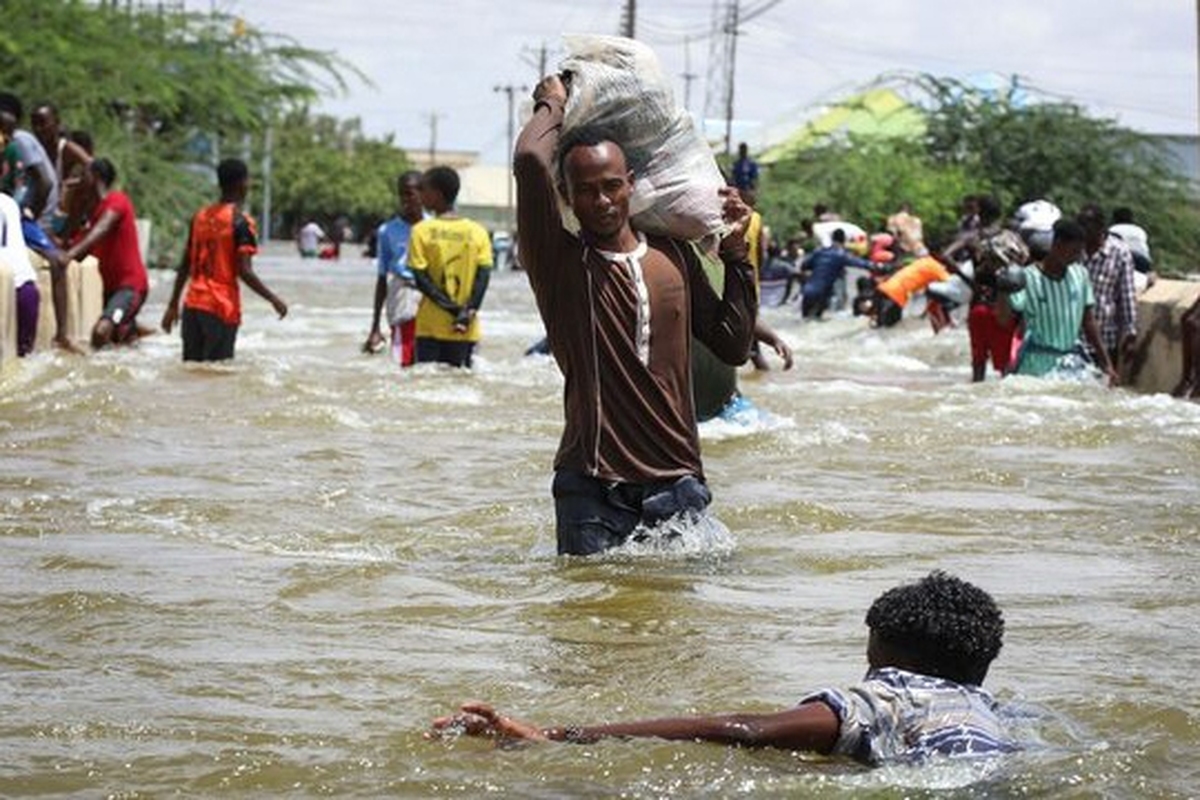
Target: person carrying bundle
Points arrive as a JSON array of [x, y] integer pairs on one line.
[[620, 306]]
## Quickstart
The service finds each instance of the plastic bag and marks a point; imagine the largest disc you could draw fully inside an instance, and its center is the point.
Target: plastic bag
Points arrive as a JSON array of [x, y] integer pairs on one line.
[[618, 84], [1004, 248], [1035, 223]]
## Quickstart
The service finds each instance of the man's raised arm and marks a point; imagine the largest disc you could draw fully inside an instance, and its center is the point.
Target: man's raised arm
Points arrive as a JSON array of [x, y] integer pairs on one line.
[[725, 322], [538, 219]]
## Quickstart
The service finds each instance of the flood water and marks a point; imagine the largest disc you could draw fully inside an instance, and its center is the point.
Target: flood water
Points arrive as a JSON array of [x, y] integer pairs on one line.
[[266, 578]]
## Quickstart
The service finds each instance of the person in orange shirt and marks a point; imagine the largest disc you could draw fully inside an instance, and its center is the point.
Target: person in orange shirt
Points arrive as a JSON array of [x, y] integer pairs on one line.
[[893, 294], [221, 245]]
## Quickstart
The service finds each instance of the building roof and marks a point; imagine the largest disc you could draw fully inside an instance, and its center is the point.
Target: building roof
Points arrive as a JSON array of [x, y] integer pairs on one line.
[[456, 159], [876, 113], [484, 185]]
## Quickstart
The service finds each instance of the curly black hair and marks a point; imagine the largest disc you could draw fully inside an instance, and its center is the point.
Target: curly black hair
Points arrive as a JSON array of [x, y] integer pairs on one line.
[[945, 626]]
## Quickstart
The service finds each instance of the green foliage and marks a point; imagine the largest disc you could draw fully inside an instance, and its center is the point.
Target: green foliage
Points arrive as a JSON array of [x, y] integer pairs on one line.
[[979, 142], [326, 168], [865, 181], [165, 93]]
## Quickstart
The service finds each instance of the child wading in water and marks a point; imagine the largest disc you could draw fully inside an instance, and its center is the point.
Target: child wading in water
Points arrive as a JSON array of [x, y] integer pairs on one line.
[[929, 649]]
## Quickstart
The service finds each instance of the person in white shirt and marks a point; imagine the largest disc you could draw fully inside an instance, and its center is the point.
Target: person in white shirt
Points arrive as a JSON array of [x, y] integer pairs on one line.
[[14, 255], [309, 237]]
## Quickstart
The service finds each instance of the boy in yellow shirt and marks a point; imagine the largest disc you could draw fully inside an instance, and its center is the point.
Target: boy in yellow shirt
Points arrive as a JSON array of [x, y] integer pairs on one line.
[[451, 260]]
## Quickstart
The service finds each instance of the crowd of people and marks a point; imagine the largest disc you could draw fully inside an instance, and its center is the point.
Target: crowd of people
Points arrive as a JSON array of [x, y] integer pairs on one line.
[[61, 202], [1043, 292], [625, 313], [54, 185]]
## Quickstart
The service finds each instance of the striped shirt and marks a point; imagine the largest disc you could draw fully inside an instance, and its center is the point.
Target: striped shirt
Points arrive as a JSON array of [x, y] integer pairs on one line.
[[895, 716], [1111, 270], [1053, 313]]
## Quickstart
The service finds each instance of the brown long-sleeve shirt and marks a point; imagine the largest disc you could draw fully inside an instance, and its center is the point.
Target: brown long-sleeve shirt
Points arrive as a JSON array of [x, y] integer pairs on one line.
[[626, 420]]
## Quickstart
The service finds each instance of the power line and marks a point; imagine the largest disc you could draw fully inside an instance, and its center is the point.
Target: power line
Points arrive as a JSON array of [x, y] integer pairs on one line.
[[717, 44], [732, 33], [722, 57], [666, 34], [510, 91], [536, 58], [689, 76]]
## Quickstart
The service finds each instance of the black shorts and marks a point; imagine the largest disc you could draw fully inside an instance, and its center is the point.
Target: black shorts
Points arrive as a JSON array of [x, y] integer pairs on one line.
[[443, 351], [592, 515], [206, 337], [120, 308]]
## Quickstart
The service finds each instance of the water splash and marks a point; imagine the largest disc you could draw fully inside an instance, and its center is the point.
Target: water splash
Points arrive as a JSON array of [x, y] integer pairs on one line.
[[684, 534], [744, 420]]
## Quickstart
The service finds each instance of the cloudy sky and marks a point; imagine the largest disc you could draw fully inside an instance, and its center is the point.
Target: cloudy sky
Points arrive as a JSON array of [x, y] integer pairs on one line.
[[437, 62]]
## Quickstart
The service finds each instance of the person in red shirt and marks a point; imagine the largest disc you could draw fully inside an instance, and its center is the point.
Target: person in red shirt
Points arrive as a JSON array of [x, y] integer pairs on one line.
[[220, 249], [112, 238]]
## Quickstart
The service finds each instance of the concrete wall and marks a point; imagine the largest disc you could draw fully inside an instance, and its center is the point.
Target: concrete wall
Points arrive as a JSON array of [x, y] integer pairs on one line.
[[85, 301], [1157, 362]]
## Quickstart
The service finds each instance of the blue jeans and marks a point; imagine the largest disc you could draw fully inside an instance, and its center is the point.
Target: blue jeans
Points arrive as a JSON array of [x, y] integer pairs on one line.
[[592, 515]]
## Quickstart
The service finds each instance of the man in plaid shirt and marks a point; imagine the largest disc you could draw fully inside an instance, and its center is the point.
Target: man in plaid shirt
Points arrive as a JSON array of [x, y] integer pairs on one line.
[[1109, 262]]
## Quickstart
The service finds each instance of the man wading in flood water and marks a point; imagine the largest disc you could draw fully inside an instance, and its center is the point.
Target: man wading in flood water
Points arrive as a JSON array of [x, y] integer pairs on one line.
[[620, 308]]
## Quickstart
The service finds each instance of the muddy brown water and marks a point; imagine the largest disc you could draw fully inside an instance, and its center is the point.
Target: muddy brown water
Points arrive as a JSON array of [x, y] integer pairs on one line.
[[266, 578]]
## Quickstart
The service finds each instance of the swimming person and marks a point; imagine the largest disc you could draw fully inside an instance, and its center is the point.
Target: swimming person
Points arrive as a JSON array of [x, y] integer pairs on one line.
[[929, 649]]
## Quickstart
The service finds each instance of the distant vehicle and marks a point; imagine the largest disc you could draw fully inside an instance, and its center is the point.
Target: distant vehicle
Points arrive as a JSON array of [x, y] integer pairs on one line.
[[503, 250]]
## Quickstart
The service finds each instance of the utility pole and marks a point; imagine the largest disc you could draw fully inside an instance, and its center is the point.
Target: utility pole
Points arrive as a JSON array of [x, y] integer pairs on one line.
[[629, 19], [538, 62], [689, 76], [433, 120], [510, 90], [731, 31], [266, 184]]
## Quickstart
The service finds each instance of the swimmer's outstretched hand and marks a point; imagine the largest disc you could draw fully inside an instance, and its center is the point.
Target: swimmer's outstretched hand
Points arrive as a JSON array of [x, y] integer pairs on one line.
[[480, 719]]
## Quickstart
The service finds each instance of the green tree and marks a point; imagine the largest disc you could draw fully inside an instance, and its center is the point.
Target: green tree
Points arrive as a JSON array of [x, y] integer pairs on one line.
[[1021, 149], [1009, 143], [327, 168], [166, 93], [865, 180]]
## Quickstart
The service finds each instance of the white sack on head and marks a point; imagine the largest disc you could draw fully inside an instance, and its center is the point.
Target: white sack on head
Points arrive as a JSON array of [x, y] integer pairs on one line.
[[618, 85]]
